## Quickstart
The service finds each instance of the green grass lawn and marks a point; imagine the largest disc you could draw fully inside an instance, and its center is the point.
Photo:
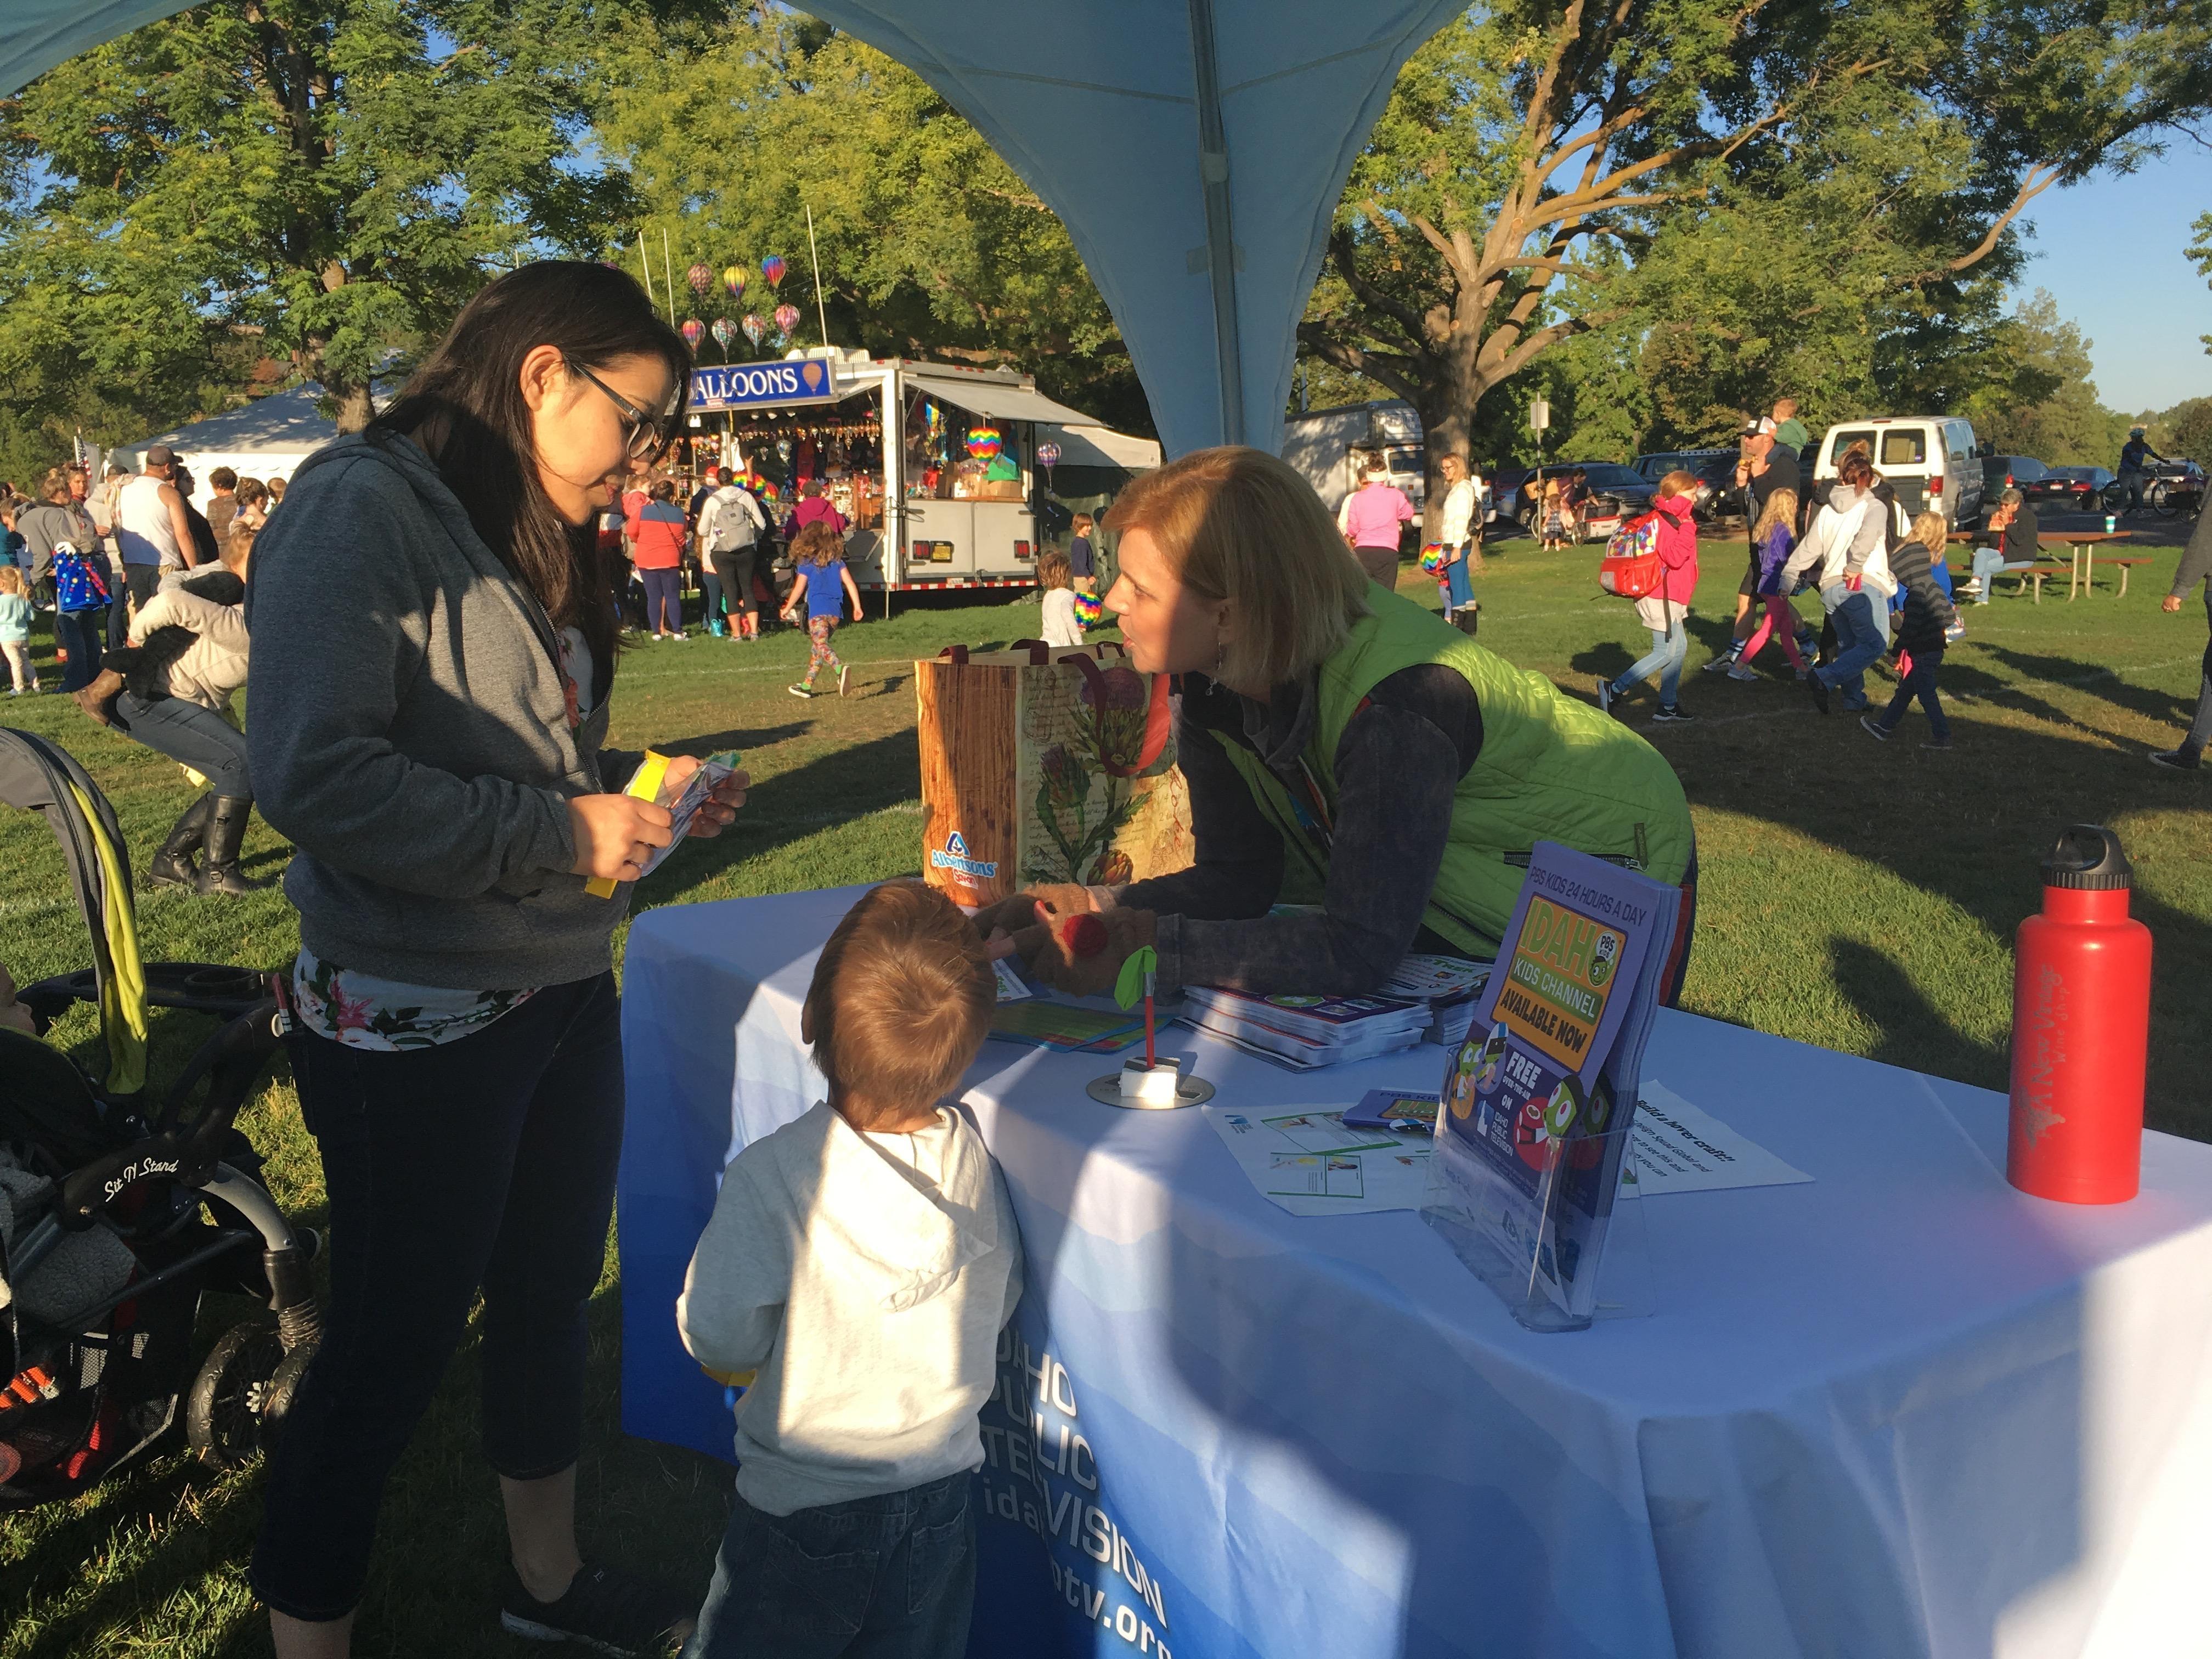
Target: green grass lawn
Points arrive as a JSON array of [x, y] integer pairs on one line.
[[1855, 895]]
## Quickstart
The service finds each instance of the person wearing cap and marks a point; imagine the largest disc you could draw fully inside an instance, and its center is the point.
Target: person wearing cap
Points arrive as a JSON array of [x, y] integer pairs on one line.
[[2133, 472], [1764, 465], [152, 529]]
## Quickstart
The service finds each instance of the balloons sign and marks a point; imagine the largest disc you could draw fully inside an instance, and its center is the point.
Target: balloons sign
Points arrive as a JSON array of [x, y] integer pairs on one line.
[[725, 331], [772, 270], [786, 316], [693, 328], [984, 442], [701, 278], [734, 280], [1048, 456], [754, 328]]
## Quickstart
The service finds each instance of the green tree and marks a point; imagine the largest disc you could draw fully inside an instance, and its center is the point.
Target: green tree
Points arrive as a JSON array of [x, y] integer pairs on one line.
[[2045, 405], [1781, 193], [2200, 253], [734, 125], [335, 176]]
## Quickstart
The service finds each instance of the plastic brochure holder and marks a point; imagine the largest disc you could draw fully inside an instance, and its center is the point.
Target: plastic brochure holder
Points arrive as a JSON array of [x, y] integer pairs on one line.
[[1514, 1243]]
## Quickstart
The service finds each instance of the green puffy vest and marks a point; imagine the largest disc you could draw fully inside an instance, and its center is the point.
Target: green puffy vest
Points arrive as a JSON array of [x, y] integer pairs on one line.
[[1552, 768]]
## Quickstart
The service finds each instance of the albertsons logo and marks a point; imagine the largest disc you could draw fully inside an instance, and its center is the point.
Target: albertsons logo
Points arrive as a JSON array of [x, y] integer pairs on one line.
[[954, 856]]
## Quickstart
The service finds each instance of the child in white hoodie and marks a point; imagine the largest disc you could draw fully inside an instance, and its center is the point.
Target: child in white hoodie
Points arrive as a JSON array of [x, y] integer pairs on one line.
[[864, 1260]]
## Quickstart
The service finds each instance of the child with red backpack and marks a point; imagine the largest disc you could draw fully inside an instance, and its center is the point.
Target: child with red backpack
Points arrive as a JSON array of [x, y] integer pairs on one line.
[[1666, 610]]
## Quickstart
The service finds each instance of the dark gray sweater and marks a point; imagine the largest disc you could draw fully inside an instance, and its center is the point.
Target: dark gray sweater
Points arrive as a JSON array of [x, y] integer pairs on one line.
[[409, 732]]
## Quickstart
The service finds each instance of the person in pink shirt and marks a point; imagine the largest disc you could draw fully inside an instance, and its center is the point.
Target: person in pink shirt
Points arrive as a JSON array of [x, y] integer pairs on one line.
[[1666, 612], [814, 508], [1371, 519]]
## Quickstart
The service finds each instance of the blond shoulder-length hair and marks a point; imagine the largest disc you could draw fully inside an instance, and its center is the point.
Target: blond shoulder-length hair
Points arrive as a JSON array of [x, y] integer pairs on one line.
[[1240, 525]]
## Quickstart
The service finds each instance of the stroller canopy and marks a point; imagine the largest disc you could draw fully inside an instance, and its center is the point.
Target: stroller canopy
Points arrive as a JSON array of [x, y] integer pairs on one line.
[[36, 776]]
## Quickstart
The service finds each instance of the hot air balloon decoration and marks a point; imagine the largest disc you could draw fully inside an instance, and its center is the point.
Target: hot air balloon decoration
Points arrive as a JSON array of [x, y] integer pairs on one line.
[[772, 268], [725, 331], [693, 329], [754, 327], [734, 279], [702, 277], [1048, 456], [984, 442], [786, 316]]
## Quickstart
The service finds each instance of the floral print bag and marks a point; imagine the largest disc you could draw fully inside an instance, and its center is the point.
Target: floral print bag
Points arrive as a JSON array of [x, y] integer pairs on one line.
[[1043, 765]]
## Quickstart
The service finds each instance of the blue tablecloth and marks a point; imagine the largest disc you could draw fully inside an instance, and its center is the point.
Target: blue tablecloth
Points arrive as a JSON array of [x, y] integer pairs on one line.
[[1903, 1410]]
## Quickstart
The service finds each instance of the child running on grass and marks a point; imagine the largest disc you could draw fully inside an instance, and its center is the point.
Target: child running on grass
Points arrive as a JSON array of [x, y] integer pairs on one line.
[[1922, 633], [861, 1260], [15, 632], [1771, 539], [817, 555], [1060, 626]]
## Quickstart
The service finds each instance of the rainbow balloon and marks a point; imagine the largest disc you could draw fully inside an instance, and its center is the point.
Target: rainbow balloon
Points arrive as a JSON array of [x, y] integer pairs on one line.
[[725, 331], [693, 329], [701, 277], [772, 268], [734, 280], [984, 442], [754, 327], [786, 316]]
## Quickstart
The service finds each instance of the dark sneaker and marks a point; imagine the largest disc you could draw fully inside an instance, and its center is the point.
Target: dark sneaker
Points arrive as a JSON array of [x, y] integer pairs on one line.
[[604, 1608], [2176, 760], [1819, 688], [1875, 728], [1936, 742], [1605, 696], [1672, 714]]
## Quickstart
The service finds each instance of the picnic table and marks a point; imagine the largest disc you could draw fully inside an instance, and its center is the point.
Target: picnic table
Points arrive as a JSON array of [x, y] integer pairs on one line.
[[2079, 564]]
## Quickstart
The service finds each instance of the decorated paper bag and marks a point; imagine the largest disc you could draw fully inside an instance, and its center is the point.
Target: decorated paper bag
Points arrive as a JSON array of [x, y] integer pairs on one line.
[[1040, 765]]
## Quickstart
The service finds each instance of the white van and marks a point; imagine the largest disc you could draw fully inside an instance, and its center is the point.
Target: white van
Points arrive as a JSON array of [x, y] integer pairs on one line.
[[1933, 460]]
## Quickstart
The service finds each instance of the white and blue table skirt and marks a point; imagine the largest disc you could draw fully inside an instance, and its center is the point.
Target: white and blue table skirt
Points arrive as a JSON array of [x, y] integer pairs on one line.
[[1901, 1411]]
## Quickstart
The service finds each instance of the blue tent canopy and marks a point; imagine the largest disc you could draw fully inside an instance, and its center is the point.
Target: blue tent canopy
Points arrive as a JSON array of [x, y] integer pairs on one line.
[[1195, 148]]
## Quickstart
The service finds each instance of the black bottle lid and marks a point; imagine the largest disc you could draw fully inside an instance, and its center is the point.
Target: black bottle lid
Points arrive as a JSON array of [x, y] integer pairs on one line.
[[2087, 858]]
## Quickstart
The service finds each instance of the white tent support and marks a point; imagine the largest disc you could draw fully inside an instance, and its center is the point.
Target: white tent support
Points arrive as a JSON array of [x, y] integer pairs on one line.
[[1220, 238]]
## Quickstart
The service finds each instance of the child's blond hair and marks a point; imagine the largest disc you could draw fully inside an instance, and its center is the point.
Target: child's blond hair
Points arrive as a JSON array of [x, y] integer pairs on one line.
[[11, 581], [899, 1003], [1781, 508], [816, 544], [1054, 571]]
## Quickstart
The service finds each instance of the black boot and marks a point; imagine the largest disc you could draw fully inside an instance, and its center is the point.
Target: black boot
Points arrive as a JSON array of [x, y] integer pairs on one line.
[[226, 834], [174, 865]]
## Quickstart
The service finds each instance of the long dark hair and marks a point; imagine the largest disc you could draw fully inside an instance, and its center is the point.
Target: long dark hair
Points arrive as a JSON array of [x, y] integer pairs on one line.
[[464, 405]]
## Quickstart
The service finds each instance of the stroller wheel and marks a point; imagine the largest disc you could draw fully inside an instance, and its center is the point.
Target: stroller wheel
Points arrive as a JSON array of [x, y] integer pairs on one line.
[[284, 1389], [223, 1412]]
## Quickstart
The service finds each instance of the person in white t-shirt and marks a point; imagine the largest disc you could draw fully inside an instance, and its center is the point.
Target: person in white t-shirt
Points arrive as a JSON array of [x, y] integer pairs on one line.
[[153, 532], [859, 1267], [1058, 580]]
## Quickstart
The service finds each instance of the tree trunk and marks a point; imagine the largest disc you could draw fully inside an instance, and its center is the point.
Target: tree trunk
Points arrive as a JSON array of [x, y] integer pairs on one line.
[[354, 407]]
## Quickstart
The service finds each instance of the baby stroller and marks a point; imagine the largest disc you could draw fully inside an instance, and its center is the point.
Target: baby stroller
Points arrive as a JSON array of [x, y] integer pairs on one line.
[[121, 1203]]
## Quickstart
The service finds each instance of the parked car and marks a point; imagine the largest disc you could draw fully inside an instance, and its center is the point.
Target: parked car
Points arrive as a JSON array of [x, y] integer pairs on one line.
[[1718, 498], [2001, 472], [1617, 492], [2069, 488], [1932, 460]]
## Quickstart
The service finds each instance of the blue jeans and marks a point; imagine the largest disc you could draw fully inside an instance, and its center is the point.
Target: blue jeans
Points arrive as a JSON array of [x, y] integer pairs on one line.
[[1921, 683], [1861, 636], [1669, 651], [1458, 584], [891, 1578], [1988, 562], [429, 1202], [192, 736], [79, 632]]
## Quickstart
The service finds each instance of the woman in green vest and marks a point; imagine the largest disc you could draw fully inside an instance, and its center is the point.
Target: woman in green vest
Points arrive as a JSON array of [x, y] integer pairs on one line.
[[1346, 750]]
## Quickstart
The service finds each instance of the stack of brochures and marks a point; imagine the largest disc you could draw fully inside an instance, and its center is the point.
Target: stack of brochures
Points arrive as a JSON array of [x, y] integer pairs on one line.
[[1452, 989], [1305, 1032]]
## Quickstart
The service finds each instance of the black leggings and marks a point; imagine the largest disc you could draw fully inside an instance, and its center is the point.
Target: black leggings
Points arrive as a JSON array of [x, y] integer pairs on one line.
[[487, 1161], [734, 570]]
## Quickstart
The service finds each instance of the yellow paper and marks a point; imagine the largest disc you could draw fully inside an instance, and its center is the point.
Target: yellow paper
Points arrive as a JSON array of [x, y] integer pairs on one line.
[[645, 784]]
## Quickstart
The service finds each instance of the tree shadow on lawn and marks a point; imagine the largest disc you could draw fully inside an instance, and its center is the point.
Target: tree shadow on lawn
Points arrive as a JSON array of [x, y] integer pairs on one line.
[[1971, 826], [2166, 708], [710, 743]]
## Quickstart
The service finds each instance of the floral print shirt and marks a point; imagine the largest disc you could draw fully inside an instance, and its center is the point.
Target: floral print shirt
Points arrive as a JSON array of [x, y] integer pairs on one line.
[[363, 1011]]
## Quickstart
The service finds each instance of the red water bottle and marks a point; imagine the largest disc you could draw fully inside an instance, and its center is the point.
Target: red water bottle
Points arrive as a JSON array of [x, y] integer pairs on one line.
[[2081, 1022]]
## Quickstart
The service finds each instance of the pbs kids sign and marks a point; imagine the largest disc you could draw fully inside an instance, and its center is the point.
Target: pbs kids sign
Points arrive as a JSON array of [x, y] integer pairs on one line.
[[761, 386]]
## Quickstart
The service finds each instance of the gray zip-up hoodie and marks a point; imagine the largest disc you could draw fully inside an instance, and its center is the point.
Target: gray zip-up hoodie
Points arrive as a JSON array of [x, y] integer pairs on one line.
[[408, 731]]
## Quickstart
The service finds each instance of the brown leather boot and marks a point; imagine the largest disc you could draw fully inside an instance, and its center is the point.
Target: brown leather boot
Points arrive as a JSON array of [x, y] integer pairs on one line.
[[98, 699]]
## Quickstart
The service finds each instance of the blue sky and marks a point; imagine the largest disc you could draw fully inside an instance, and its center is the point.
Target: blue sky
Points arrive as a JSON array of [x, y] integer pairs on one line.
[[2110, 253]]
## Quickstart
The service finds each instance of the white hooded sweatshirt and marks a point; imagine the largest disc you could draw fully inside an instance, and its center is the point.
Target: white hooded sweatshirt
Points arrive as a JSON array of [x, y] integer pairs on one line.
[[867, 1277]]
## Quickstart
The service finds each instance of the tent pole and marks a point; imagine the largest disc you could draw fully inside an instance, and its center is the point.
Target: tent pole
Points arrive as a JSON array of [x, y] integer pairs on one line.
[[1221, 244]]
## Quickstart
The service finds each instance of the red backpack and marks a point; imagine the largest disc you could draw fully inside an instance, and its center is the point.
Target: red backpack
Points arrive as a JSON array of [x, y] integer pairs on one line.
[[1631, 568]]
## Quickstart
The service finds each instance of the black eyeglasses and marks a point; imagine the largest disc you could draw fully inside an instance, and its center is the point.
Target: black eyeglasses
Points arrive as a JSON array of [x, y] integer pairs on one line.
[[643, 432]]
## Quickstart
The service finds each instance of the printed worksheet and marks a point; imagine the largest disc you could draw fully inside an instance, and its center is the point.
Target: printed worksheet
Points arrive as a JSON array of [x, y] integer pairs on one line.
[[1682, 1149], [1308, 1163]]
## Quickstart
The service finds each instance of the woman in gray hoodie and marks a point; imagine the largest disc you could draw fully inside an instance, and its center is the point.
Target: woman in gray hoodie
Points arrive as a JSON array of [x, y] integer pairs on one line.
[[433, 643]]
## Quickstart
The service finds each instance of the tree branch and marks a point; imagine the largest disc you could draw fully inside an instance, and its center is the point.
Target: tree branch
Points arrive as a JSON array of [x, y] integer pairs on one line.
[[2030, 187], [1394, 374]]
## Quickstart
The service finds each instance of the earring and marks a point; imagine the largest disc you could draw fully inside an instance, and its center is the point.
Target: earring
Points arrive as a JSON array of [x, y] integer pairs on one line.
[[1220, 657]]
